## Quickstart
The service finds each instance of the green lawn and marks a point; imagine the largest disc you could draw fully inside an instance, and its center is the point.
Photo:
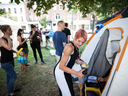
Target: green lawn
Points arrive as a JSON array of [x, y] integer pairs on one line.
[[38, 80]]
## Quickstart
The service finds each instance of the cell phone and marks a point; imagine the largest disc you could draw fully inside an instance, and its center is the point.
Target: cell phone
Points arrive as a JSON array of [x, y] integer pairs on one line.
[[85, 72]]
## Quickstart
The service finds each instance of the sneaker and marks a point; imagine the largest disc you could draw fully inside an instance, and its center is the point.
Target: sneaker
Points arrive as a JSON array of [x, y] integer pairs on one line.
[[36, 62], [43, 62]]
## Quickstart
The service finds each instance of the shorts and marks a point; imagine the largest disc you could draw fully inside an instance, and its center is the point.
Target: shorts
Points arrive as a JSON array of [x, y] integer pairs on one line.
[[26, 50]]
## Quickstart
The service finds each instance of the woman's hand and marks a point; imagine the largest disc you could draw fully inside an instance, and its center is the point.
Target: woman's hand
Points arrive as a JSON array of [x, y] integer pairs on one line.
[[101, 79], [33, 32], [80, 74], [81, 62]]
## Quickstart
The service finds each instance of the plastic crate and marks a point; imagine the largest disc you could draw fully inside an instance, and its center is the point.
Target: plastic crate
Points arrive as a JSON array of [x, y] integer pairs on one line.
[[96, 90]]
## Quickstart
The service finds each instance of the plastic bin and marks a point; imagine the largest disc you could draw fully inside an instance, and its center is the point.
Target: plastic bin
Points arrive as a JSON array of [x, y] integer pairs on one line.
[[96, 90]]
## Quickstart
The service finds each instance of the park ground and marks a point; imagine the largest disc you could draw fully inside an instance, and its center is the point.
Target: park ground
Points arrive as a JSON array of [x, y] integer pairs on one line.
[[39, 79]]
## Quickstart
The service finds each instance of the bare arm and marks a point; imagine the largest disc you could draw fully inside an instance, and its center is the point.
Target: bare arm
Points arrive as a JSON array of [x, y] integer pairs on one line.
[[64, 43], [68, 38], [31, 35], [19, 39], [67, 51], [6, 45]]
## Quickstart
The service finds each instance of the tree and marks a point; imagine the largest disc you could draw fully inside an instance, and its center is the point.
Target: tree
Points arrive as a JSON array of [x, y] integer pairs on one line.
[[2, 11], [44, 22], [105, 7], [7, 15]]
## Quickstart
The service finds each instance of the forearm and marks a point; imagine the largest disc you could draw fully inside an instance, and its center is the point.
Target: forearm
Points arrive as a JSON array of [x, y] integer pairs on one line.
[[14, 51], [68, 38]]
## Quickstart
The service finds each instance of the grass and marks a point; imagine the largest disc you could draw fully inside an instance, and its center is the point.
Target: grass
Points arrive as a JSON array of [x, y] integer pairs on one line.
[[38, 80]]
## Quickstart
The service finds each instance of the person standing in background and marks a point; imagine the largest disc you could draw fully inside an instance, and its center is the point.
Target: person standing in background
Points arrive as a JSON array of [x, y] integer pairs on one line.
[[35, 43], [23, 41], [47, 38], [67, 32], [59, 39], [41, 38], [97, 29]]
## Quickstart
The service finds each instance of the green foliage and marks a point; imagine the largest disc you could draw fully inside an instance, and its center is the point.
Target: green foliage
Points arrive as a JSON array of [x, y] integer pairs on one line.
[[2, 12], [7, 15], [44, 22], [104, 7]]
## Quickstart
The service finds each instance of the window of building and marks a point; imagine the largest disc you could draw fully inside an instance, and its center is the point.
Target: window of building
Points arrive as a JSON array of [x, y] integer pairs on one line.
[[35, 17], [22, 19], [9, 10], [61, 7], [69, 16], [30, 17], [41, 15], [20, 10], [14, 10], [66, 6], [57, 16], [4, 9], [54, 8], [86, 17], [81, 16], [54, 24], [86, 27]]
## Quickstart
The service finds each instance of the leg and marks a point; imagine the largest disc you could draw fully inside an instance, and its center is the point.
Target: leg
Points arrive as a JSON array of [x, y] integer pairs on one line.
[[25, 69], [22, 67], [40, 54], [11, 76], [34, 53]]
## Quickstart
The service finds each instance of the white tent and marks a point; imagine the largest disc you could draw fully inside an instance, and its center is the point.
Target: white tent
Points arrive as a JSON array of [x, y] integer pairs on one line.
[[117, 41], [14, 26]]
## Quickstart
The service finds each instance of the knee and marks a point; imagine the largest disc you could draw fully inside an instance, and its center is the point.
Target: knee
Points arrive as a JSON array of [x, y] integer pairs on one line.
[[14, 77]]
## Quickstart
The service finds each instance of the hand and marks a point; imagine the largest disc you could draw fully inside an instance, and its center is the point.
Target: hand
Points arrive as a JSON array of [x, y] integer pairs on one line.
[[101, 79], [26, 40], [80, 74], [84, 63], [33, 32]]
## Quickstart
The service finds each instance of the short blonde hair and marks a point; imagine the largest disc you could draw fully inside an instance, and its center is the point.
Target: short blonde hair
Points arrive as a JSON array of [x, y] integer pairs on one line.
[[60, 22]]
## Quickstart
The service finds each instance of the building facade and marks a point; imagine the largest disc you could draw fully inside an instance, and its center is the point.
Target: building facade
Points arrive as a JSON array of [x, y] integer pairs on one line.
[[27, 17], [16, 11]]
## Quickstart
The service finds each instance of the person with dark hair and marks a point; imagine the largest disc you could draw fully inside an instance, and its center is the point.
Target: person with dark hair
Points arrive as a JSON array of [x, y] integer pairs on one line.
[[23, 41], [97, 29], [59, 39], [46, 33], [35, 43], [7, 60], [41, 39], [63, 68], [22, 59], [67, 32]]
